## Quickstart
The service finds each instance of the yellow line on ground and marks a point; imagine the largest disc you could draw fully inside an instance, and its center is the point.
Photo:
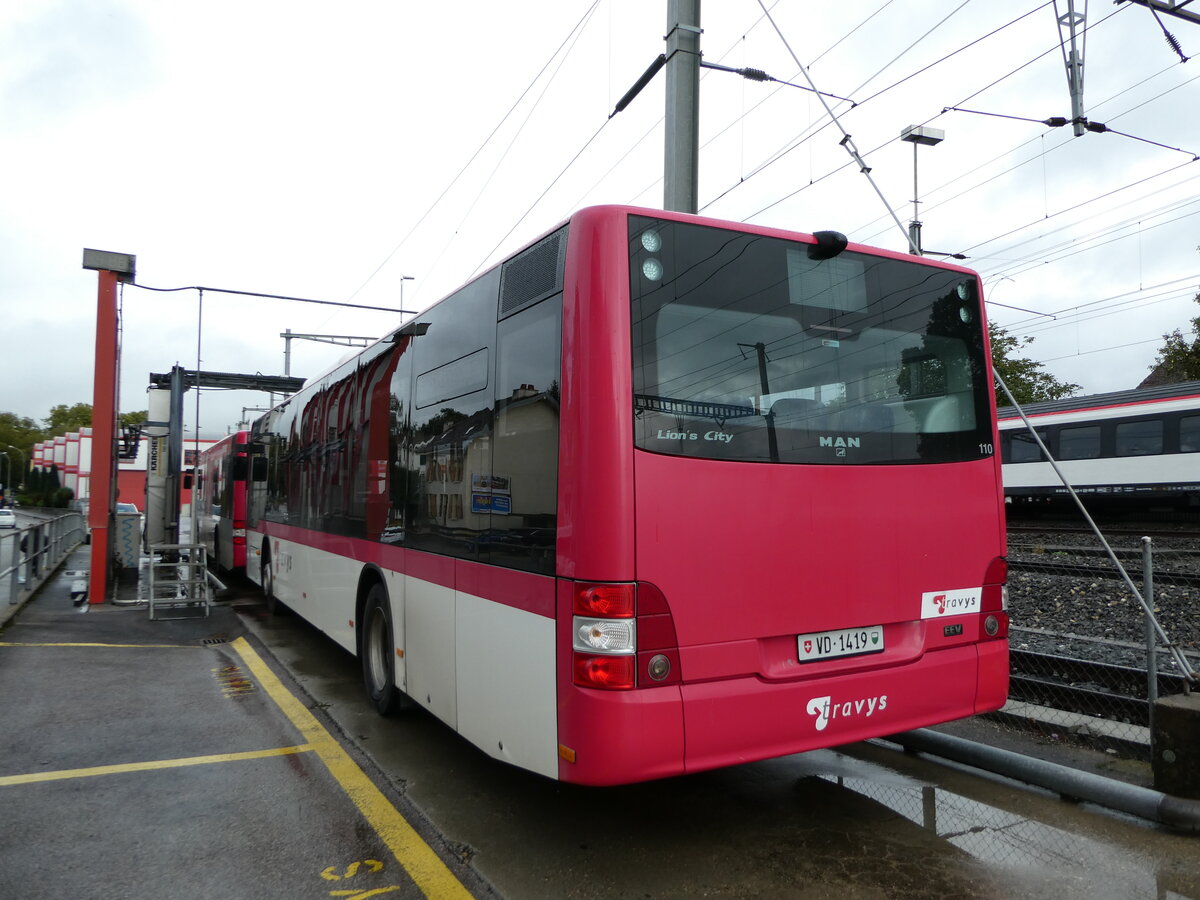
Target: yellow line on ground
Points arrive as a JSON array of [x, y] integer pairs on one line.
[[124, 646], [417, 857], [150, 765]]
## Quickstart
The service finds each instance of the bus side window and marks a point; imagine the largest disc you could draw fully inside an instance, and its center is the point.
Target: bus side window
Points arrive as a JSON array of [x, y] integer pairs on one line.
[[525, 460]]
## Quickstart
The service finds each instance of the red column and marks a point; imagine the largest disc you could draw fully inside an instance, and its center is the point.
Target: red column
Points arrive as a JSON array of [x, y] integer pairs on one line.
[[104, 425]]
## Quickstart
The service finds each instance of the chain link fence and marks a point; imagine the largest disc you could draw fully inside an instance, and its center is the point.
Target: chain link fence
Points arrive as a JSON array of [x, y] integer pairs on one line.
[[1086, 663]]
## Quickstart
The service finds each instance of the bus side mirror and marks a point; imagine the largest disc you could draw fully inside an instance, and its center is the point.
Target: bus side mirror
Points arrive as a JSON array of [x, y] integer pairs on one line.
[[258, 468]]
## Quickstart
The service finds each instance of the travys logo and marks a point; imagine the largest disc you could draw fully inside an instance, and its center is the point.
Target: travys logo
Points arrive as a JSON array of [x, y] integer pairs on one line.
[[826, 708], [950, 603]]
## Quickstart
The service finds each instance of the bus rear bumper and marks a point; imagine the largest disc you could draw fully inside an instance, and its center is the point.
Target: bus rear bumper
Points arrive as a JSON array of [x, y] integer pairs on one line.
[[617, 737], [745, 719]]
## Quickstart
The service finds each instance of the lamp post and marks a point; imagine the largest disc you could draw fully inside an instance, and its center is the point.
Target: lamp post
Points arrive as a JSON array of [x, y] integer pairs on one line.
[[930, 137], [9, 461], [23, 461], [403, 278]]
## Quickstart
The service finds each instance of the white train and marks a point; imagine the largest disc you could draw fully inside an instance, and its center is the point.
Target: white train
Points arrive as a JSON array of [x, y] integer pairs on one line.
[[1138, 448]]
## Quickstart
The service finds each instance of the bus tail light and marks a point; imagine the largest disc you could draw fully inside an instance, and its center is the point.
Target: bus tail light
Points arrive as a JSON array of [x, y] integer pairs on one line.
[[614, 673], [239, 534], [612, 601], [623, 637], [604, 635], [994, 605]]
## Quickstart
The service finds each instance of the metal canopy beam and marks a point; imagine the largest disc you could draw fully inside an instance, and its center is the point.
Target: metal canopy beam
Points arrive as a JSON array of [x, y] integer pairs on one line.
[[177, 381], [279, 384]]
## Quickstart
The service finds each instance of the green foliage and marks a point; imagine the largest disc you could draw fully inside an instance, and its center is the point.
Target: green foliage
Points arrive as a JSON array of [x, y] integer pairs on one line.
[[1028, 380], [1179, 357], [22, 434], [64, 419], [43, 489]]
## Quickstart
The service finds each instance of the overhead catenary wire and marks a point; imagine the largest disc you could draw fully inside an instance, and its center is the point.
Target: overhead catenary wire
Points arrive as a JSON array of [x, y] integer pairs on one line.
[[846, 141], [217, 290], [805, 135], [582, 19], [511, 143], [931, 204]]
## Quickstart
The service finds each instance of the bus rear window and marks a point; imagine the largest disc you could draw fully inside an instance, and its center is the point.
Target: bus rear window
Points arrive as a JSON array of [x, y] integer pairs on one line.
[[746, 349]]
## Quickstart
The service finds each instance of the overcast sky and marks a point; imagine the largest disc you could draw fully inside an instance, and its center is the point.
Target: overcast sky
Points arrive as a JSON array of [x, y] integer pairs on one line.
[[329, 150]]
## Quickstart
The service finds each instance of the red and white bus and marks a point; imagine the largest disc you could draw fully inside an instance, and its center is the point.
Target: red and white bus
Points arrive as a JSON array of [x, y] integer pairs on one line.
[[219, 492], [655, 495]]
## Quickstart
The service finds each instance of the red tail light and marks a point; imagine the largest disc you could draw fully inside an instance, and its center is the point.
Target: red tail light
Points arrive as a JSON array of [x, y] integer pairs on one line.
[[612, 652], [613, 673], [608, 601]]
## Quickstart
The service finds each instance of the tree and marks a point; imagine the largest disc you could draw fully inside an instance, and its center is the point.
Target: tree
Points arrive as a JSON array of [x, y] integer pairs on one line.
[[63, 418], [1179, 357], [17, 431], [1027, 379]]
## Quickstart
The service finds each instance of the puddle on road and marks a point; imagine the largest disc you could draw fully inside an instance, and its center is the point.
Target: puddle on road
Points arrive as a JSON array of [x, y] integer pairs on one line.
[[1036, 858]]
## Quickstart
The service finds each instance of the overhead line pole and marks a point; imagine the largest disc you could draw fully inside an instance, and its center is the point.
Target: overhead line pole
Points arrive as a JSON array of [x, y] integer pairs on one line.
[[682, 141], [1074, 23]]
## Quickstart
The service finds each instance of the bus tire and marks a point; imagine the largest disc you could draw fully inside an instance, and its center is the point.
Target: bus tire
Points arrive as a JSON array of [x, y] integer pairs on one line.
[[268, 583], [378, 653]]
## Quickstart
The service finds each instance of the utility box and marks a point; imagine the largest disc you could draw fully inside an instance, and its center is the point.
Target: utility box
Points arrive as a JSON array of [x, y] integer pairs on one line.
[[1176, 745], [127, 543]]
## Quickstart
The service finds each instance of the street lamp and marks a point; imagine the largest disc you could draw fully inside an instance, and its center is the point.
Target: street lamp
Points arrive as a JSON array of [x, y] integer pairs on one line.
[[930, 137], [403, 278], [23, 459]]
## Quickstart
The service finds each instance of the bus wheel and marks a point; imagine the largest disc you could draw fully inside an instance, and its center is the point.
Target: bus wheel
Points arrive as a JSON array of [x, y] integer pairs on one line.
[[378, 654], [268, 584]]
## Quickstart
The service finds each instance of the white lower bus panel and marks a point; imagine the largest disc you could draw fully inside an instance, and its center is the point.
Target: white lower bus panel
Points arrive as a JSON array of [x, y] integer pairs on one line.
[[507, 698]]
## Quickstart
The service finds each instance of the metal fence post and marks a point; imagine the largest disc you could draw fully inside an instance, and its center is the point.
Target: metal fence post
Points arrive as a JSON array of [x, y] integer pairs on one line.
[[1151, 637], [14, 585]]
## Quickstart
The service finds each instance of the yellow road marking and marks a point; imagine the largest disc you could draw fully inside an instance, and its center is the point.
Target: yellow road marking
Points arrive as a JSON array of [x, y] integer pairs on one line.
[[150, 765], [119, 646], [417, 857]]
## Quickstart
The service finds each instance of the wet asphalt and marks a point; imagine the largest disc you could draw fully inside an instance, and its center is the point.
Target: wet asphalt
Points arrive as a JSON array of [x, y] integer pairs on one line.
[[146, 758]]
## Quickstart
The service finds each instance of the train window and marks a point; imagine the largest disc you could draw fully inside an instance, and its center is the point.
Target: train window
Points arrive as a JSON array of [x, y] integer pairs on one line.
[[1189, 434], [1082, 442], [1023, 448], [1140, 438]]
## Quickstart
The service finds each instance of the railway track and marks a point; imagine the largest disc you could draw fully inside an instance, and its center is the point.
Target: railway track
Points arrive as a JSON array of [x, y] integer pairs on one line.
[[1074, 570], [1153, 531], [1098, 689]]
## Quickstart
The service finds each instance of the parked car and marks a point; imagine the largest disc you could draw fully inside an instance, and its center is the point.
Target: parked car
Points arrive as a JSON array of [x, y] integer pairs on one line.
[[8, 519]]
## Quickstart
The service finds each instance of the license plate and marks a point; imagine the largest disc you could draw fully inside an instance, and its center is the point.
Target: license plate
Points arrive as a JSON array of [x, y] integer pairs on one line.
[[843, 642]]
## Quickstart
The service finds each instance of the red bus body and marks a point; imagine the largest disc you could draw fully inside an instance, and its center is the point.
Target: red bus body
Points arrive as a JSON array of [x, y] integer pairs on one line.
[[725, 571], [219, 492]]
